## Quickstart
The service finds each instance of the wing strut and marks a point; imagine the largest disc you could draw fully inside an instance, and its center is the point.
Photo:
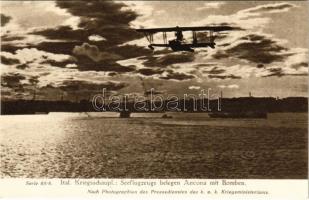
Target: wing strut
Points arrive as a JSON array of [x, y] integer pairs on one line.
[[149, 37], [194, 37], [211, 36], [164, 38]]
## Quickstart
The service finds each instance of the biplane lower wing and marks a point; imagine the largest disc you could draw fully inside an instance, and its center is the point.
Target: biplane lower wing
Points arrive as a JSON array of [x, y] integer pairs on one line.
[[197, 45], [160, 45], [183, 47]]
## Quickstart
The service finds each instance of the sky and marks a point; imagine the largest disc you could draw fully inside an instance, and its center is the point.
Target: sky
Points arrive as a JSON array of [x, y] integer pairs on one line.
[[72, 50]]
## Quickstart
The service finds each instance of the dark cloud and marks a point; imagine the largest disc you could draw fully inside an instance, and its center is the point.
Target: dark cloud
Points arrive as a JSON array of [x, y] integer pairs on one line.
[[258, 49], [260, 66], [17, 89], [5, 92], [84, 63], [58, 47], [105, 18], [254, 48], [88, 55], [11, 48], [204, 36], [8, 38], [22, 66], [108, 19], [204, 65], [224, 45], [84, 86], [220, 54], [299, 65], [279, 72], [33, 80], [169, 59], [177, 76], [4, 19], [12, 80], [231, 76], [149, 71], [64, 33], [129, 51], [275, 72], [9, 61], [215, 70], [58, 63]]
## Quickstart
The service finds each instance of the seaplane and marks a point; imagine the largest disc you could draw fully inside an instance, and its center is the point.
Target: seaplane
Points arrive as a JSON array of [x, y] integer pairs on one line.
[[179, 43]]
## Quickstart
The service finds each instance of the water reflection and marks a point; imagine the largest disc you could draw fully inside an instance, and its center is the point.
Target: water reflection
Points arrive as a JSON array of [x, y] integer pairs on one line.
[[79, 145]]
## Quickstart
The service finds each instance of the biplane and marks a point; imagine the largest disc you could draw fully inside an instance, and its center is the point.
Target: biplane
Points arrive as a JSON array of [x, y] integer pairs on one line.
[[178, 44]]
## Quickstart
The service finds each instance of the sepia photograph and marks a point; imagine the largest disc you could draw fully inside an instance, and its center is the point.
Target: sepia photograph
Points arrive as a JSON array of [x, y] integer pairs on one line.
[[154, 89]]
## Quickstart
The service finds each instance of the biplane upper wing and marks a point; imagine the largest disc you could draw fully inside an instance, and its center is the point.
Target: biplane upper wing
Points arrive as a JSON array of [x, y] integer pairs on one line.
[[199, 28]]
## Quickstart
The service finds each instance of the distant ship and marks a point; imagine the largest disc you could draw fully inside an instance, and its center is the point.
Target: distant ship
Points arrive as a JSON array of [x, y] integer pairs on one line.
[[166, 116], [125, 114]]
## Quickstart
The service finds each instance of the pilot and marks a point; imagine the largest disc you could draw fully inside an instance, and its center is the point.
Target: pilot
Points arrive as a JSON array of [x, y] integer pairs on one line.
[[179, 36]]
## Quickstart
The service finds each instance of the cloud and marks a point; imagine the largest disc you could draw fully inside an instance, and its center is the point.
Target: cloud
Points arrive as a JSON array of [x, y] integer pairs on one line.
[[23, 21], [214, 70], [210, 5], [130, 51], [166, 66], [253, 55], [32, 55], [9, 61], [204, 65], [249, 49], [4, 19], [269, 8], [85, 86], [168, 59], [70, 65], [251, 18], [144, 11], [193, 87], [171, 75], [231, 76], [254, 47], [257, 48], [232, 86], [85, 63], [95, 44], [62, 63], [149, 71], [12, 80], [274, 72], [10, 38], [94, 53], [96, 38], [114, 25], [22, 66]]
